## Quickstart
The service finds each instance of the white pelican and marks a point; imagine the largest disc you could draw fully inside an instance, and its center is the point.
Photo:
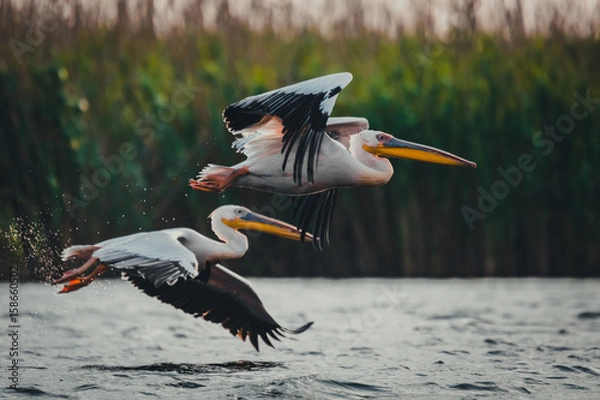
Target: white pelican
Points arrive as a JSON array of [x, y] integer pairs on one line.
[[293, 124], [179, 267]]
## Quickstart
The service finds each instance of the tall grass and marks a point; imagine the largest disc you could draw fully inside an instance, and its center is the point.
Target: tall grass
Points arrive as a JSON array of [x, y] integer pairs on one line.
[[95, 94]]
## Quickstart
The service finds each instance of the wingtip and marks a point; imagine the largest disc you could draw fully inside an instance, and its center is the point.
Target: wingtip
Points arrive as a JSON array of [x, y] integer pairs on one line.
[[297, 331], [317, 243], [341, 74], [341, 78], [348, 75], [254, 340]]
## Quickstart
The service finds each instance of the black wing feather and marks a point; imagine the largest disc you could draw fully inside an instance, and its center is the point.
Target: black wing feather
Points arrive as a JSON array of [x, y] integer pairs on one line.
[[313, 213], [218, 297], [303, 115], [158, 272]]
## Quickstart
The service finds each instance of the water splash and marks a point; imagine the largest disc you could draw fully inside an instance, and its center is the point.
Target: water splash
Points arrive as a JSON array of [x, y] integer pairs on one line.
[[28, 245]]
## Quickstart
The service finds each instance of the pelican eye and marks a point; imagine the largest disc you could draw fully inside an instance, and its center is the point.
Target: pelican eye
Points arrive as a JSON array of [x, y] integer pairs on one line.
[[381, 137]]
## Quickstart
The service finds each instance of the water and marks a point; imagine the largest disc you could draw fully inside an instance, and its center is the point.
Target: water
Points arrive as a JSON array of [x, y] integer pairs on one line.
[[372, 338]]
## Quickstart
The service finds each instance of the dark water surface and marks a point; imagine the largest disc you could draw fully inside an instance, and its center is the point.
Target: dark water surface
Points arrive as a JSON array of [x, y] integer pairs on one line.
[[372, 338]]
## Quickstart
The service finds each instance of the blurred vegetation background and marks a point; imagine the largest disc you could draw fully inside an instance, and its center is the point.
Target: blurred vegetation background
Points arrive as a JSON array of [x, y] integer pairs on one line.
[[104, 120]]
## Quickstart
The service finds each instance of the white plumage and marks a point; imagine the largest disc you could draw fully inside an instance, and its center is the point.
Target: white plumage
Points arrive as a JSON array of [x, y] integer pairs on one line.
[[293, 147], [180, 267]]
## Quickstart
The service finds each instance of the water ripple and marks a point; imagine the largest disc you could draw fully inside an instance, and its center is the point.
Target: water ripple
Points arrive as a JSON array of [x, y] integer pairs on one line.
[[523, 389], [589, 315], [186, 385], [191, 368], [353, 386], [498, 339], [88, 386], [309, 387], [34, 392], [573, 386], [484, 386], [577, 369]]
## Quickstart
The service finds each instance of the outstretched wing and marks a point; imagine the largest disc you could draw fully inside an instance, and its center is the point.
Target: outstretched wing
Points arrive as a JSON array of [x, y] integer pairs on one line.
[[313, 213], [301, 110], [220, 296], [341, 128], [157, 257]]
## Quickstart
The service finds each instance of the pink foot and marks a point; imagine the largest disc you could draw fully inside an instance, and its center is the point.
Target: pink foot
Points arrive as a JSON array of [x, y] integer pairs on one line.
[[68, 275], [204, 185], [78, 283], [74, 285], [218, 179]]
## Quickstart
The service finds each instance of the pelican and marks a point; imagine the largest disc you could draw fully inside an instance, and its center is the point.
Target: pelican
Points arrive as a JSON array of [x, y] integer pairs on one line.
[[293, 123], [180, 267]]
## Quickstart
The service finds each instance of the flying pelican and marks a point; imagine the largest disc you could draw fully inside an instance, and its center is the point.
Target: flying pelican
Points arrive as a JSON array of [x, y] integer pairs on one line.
[[180, 267], [293, 124]]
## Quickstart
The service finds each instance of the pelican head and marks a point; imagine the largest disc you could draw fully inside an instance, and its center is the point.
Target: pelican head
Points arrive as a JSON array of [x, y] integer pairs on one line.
[[237, 217], [386, 145]]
